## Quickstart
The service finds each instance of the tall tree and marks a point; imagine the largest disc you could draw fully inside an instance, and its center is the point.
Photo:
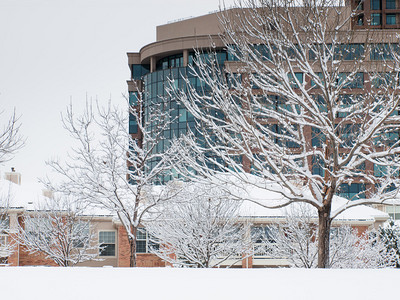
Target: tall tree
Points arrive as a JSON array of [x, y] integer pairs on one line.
[[308, 104], [111, 169]]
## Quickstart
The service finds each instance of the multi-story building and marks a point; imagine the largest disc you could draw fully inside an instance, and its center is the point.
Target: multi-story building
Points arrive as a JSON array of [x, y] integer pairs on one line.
[[169, 58]]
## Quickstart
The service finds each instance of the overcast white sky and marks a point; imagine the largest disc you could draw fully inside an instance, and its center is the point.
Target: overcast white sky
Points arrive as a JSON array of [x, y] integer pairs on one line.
[[55, 51]]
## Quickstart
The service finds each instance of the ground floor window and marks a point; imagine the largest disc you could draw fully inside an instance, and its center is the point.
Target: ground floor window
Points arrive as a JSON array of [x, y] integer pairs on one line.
[[107, 243], [145, 242], [393, 211]]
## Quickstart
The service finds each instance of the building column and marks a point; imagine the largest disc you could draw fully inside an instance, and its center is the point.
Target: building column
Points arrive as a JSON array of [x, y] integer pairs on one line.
[[152, 64], [185, 58], [13, 259]]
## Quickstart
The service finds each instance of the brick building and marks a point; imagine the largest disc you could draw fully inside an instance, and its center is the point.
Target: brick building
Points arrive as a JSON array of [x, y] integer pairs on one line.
[[111, 233]]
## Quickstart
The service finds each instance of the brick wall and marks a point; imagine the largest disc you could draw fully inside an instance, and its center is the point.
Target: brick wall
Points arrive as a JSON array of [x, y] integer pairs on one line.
[[143, 259]]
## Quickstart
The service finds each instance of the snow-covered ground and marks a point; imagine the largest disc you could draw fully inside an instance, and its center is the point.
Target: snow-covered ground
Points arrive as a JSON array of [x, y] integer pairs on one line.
[[191, 284]]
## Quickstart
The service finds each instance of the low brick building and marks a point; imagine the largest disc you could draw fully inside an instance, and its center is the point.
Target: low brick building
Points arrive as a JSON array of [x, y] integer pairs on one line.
[[110, 232]]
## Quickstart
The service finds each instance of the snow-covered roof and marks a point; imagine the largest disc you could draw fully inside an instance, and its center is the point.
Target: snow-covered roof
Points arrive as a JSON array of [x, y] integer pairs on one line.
[[362, 212], [20, 196], [263, 196], [260, 192], [30, 197]]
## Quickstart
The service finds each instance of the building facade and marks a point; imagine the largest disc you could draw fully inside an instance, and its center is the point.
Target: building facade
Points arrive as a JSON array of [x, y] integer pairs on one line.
[[164, 64]]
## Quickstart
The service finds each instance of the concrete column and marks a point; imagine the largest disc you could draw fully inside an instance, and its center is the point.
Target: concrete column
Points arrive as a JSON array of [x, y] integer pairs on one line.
[[185, 58], [152, 64]]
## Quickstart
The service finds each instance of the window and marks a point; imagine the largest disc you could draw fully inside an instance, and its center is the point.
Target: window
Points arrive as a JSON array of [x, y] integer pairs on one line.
[[356, 83], [81, 230], [376, 4], [133, 98], [299, 78], [382, 171], [4, 224], [133, 125], [144, 242], [317, 137], [138, 71], [348, 51], [349, 134], [360, 20], [352, 191], [260, 234], [376, 19], [390, 4], [317, 166], [348, 103], [172, 61], [384, 51], [393, 211], [391, 19], [360, 4], [3, 241], [107, 243]]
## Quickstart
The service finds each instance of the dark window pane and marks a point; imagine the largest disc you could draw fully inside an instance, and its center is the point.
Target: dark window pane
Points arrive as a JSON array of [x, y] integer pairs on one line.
[[376, 19], [376, 4], [390, 19], [390, 4]]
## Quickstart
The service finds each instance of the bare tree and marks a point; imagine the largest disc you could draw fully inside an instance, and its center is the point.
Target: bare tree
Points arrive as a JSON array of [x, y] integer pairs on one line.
[[112, 169], [201, 229], [10, 142], [59, 229], [10, 138], [303, 105], [6, 248], [296, 239]]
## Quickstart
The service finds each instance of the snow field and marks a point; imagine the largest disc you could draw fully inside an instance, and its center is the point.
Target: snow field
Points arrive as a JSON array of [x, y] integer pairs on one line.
[[191, 284]]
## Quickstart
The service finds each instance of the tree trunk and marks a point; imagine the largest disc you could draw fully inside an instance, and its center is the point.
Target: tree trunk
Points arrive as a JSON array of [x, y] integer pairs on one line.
[[324, 228], [132, 246]]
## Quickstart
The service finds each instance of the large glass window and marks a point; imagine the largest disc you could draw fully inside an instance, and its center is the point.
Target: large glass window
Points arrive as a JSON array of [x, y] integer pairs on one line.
[[107, 243], [172, 61], [138, 71]]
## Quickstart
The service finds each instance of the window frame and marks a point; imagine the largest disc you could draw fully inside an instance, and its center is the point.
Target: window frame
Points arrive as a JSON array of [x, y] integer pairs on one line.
[[115, 244]]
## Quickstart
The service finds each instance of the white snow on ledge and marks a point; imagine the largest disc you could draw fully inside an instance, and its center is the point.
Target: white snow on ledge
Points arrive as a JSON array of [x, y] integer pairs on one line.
[[192, 284]]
